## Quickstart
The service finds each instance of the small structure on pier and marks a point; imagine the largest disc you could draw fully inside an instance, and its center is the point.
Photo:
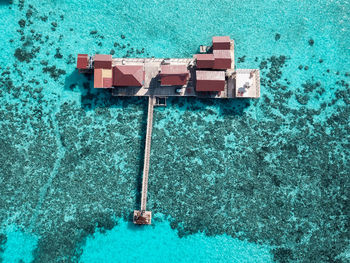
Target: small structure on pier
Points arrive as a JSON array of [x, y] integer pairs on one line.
[[222, 59], [174, 75], [142, 217], [83, 61], [102, 78], [210, 81], [103, 61], [204, 61], [221, 43], [128, 75], [211, 75]]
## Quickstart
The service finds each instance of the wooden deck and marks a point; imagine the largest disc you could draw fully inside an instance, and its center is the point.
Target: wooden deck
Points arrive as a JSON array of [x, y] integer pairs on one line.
[[247, 80], [142, 216], [147, 153]]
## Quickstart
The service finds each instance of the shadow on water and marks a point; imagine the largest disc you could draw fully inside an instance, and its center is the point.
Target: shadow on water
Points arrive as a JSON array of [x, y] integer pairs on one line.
[[92, 98], [233, 107]]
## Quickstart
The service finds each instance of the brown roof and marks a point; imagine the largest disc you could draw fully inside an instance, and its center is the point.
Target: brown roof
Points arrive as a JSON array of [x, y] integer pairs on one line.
[[222, 59], [128, 75], [205, 60], [178, 80], [173, 70], [221, 39], [98, 82], [102, 57], [222, 54], [176, 75], [102, 78], [221, 42], [82, 61], [204, 56], [210, 80], [103, 61], [210, 75]]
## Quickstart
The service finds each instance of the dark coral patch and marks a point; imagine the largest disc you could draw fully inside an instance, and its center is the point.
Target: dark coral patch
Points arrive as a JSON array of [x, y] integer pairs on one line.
[[54, 72], [24, 56], [277, 37], [58, 54], [22, 23], [44, 18], [311, 42], [241, 59]]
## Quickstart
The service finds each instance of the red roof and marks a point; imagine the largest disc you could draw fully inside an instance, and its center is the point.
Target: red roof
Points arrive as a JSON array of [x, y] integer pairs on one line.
[[98, 82], [222, 42], [128, 75], [107, 82], [222, 59], [178, 80], [102, 78], [173, 70], [205, 60], [210, 80], [174, 75], [82, 61], [103, 61]]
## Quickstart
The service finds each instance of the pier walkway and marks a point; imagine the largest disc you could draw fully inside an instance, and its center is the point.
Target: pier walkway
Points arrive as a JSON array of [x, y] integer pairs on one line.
[[142, 216]]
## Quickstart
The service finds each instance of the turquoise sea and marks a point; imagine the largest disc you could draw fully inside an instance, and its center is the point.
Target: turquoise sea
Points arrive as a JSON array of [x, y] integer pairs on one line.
[[262, 180]]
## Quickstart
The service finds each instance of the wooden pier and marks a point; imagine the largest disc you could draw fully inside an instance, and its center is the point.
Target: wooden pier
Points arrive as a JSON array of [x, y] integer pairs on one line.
[[142, 216], [210, 75]]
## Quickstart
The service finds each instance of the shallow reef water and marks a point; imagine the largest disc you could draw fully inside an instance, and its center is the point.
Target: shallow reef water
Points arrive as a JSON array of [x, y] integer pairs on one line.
[[119, 241], [262, 180]]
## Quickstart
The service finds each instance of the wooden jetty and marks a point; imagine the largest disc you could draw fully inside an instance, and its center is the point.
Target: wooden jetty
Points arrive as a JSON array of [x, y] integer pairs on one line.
[[210, 74], [142, 216]]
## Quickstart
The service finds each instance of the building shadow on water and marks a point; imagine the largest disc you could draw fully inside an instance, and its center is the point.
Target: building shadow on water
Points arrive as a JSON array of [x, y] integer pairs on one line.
[[92, 98], [233, 107]]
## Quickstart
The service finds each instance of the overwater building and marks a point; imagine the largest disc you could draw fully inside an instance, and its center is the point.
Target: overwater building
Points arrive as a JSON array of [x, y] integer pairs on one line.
[[211, 74]]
